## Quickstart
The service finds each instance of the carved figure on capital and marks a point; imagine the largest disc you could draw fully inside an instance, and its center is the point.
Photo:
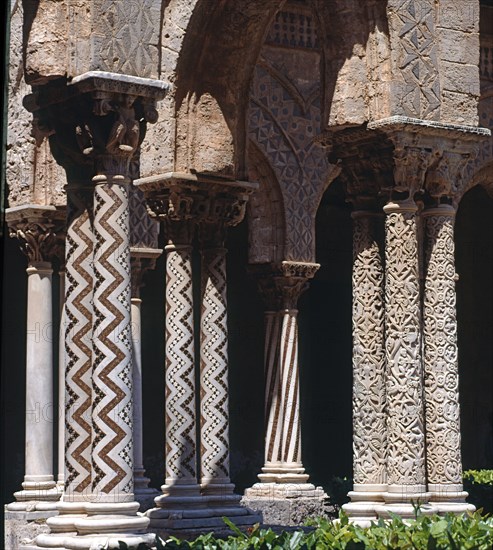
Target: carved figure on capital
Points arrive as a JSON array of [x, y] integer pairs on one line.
[[446, 177], [410, 166], [39, 240]]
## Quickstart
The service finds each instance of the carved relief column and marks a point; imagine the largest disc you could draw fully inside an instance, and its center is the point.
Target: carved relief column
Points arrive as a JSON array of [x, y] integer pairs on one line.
[[405, 414], [441, 372], [369, 418], [36, 228], [443, 452]]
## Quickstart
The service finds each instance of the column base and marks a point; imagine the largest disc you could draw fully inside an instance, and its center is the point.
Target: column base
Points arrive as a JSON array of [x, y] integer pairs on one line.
[[449, 498], [82, 526], [364, 500], [40, 495], [284, 490], [188, 522], [144, 494], [404, 501]]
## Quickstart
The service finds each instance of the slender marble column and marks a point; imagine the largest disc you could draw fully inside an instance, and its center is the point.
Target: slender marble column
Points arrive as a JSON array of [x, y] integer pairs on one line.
[[369, 419], [181, 488], [139, 264], [214, 386], [405, 414], [38, 480], [38, 240], [61, 382], [443, 452]]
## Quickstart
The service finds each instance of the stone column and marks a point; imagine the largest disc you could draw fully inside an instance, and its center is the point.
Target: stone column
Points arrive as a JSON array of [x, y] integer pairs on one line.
[[369, 418], [214, 386], [405, 414], [77, 355], [35, 228], [443, 451], [142, 260], [283, 475], [61, 379]]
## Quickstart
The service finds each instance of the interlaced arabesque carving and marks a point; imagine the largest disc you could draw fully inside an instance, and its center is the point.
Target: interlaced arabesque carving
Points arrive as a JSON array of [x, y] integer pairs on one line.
[[78, 306], [405, 459], [283, 127], [369, 404], [214, 366], [112, 378], [180, 380], [412, 23], [443, 457]]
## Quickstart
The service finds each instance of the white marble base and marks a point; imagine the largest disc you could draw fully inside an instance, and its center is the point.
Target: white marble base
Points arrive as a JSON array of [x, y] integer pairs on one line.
[[289, 490], [449, 498], [364, 500]]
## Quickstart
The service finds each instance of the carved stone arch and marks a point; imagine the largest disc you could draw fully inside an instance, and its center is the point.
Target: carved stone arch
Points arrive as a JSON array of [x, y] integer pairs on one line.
[[265, 214]]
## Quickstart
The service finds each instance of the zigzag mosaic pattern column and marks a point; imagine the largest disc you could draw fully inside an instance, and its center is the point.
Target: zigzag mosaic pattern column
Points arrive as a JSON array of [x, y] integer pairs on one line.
[[78, 344], [443, 454], [405, 414], [181, 484], [214, 402], [369, 418], [112, 377]]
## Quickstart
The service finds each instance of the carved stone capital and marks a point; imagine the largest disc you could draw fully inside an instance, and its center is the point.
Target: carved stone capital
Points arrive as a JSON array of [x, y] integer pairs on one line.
[[39, 230], [203, 198], [141, 261], [96, 122], [282, 285], [446, 177]]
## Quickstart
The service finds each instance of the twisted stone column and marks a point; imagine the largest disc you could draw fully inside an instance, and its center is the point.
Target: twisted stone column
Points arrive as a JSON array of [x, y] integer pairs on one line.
[[214, 386], [405, 414], [369, 419], [283, 474], [36, 231], [443, 452]]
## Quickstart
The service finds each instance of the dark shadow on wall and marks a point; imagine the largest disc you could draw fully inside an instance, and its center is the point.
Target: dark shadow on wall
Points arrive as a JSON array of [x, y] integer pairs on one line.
[[474, 264]]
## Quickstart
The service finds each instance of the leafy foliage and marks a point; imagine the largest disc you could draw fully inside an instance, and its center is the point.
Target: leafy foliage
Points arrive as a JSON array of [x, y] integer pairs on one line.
[[479, 485], [450, 532], [481, 477]]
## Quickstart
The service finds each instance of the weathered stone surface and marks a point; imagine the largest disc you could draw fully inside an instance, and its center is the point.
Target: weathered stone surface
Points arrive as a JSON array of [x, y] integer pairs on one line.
[[289, 511], [23, 527]]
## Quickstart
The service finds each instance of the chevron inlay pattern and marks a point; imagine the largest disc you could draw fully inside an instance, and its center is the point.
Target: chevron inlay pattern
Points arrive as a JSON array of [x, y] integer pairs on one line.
[[112, 381], [180, 379], [291, 444], [273, 394], [214, 367], [78, 346]]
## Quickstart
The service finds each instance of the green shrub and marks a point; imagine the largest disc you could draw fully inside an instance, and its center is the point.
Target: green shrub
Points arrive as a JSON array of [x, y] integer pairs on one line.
[[479, 485], [450, 532]]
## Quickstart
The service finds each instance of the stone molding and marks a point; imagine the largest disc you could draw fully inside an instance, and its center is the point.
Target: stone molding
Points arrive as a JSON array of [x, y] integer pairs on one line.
[[141, 261]]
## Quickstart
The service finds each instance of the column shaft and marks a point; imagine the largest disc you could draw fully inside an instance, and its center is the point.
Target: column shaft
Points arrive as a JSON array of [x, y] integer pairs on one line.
[[78, 345], [112, 444], [369, 419], [40, 412], [273, 396], [181, 460], [443, 452], [137, 390], [405, 415], [61, 384], [214, 419]]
